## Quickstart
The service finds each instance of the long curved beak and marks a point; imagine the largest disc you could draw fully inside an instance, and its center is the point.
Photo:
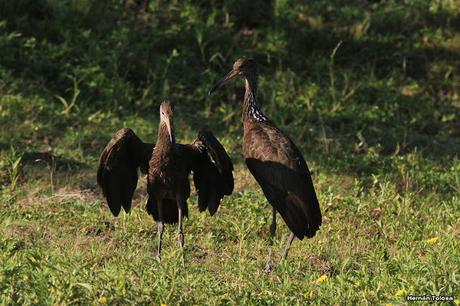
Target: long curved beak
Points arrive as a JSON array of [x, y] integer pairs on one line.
[[225, 79], [170, 132]]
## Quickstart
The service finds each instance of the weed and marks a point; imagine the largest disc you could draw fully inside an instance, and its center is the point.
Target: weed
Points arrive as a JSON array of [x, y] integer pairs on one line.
[[376, 117]]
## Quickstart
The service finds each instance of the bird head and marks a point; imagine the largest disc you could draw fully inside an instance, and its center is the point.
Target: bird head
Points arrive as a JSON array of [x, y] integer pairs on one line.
[[244, 67], [166, 117]]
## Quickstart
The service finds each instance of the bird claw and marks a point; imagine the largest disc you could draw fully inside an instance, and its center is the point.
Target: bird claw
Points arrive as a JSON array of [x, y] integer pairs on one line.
[[181, 243], [268, 268]]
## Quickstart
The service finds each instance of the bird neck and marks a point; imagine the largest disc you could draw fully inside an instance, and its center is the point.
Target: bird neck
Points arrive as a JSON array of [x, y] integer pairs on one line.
[[164, 144], [251, 109]]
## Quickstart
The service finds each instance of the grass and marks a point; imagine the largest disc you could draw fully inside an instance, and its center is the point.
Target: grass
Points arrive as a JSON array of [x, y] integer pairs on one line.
[[376, 117], [65, 247]]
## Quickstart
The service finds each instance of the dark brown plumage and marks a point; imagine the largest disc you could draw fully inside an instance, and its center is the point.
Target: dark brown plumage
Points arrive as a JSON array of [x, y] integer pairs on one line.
[[168, 165], [276, 163]]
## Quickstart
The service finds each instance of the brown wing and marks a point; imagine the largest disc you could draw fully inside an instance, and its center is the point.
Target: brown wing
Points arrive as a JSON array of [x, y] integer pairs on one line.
[[291, 193], [282, 173], [212, 171], [117, 172]]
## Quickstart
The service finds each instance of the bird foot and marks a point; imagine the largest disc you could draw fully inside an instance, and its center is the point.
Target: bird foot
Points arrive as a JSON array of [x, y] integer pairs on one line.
[[181, 243], [268, 268], [181, 240]]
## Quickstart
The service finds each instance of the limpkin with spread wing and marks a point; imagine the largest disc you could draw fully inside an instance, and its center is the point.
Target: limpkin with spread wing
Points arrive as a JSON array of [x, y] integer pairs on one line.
[[168, 165], [276, 164]]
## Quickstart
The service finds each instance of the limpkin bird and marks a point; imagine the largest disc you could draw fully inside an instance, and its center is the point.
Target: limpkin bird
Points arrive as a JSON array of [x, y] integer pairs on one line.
[[168, 165], [276, 164]]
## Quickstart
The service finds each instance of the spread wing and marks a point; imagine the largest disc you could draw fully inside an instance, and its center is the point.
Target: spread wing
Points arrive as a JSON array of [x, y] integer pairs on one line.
[[212, 171], [117, 172]]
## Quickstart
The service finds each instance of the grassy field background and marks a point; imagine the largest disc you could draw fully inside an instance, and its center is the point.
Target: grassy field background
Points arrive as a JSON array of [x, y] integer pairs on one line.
[[369, 90]]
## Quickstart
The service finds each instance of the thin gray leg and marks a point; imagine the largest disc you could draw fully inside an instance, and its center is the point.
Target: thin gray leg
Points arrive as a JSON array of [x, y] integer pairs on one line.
[[180, 207], [288, 244], [181, 237], [269, 265], [160, 226]]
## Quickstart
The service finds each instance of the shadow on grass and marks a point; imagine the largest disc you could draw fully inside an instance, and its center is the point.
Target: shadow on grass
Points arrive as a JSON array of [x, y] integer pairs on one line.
[[60, 163], [382, 41]]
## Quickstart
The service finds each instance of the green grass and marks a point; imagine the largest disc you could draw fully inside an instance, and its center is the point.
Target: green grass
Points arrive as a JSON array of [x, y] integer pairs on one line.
[[377, 120]]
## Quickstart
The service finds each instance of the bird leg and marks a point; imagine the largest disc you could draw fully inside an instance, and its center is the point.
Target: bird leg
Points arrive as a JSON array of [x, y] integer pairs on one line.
[[288, 244], [160, 225], [269, 265], [180, 206]]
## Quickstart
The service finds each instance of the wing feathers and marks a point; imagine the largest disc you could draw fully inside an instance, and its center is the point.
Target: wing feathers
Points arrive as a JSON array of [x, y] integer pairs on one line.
[[212, 171], [291, 193], [117, 171]]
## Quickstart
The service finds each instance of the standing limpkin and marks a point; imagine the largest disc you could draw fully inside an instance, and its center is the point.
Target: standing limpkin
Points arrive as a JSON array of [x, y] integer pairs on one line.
[[276, 164], [168, 165]]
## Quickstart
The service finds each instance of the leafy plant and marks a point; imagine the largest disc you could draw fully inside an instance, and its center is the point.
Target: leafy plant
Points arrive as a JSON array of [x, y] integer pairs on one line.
[[68, 105], [13, 167]]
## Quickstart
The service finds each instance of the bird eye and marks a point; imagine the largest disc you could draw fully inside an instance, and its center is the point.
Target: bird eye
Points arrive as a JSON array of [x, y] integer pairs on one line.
[[162, 113]]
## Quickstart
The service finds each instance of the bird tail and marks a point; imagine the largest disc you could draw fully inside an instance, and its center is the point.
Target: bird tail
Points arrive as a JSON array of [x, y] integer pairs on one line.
[[301, 212], [170, 211], [303, 220], [314, 218]]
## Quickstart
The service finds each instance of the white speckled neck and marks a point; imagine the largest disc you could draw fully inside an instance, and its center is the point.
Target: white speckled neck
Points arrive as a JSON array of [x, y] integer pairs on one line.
[[251, 107]]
